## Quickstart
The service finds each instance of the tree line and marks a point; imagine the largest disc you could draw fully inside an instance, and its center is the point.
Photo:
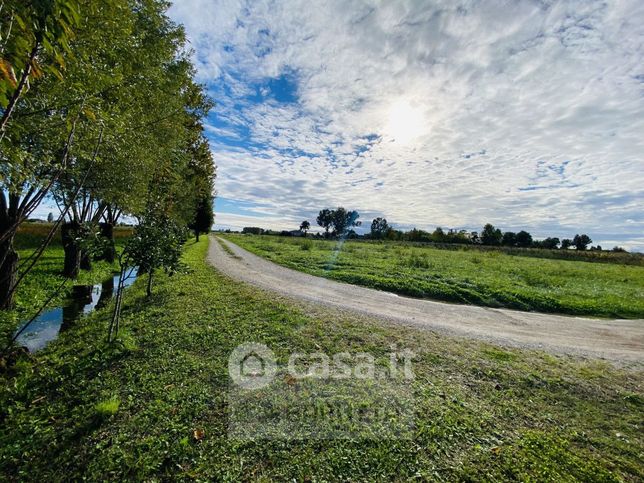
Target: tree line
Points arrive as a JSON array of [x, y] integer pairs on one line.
[[102, 116], [489, 236], [340, 222]]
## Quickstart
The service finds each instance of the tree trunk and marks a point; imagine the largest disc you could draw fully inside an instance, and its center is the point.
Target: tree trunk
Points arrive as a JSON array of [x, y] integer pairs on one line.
[[149, 289], [107, 290], [85, 261], [197, 234], [8, 272], [109, 253], [69, 233]]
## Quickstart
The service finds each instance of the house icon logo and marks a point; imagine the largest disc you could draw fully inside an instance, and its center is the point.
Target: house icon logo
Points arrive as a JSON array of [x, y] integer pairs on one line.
[[252, 366]]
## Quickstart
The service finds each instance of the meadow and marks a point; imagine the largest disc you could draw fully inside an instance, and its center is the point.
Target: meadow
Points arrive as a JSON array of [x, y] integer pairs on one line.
[[156, 404], [596, 285]]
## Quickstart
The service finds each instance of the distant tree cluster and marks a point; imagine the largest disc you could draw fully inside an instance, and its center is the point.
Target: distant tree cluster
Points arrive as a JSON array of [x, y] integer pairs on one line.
[[338, 222], [493, 236], [489, 236]]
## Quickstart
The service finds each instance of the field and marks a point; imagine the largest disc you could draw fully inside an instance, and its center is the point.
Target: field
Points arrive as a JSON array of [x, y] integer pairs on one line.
[[156, 405], [46, 276], [493, 278]]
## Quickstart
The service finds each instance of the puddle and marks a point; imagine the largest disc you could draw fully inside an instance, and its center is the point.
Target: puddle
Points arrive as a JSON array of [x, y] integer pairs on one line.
[[82, 300]]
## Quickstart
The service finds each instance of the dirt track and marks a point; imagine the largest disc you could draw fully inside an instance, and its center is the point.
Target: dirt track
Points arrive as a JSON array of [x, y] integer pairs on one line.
[[616, 340]]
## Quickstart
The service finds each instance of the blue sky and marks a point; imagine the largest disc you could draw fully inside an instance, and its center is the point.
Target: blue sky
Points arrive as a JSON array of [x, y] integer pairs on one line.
[[526, 114]]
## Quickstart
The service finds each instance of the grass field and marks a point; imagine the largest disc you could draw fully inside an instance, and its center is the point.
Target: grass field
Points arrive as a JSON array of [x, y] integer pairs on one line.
[[46, 276], [490, 277], [155, 406]]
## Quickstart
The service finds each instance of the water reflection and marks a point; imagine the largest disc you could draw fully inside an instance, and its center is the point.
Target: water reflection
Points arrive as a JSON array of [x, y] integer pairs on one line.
[[83, 300]]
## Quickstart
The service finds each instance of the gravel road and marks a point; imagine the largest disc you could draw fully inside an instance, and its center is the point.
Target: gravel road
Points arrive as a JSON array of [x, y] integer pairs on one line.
[[615, 340]]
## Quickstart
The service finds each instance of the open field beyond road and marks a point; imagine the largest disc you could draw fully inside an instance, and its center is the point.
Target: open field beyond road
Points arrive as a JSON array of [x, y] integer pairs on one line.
[[489, 278], [619, 340]]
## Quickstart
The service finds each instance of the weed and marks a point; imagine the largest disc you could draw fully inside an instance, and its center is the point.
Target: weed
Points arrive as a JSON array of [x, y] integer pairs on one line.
[[107, 408]]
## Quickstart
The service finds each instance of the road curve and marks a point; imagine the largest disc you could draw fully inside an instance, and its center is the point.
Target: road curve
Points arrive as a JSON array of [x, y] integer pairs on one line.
[[615, 340]]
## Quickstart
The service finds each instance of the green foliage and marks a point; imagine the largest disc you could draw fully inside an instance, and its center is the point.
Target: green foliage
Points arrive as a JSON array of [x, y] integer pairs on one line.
[[325, 220], [379, 228], [156, 243], [526, 416], [491, 235], [524, 239], [127, 109], [581, 242], [340, 219], [485, 276], [204, 217], [107, 408], [43, 27]]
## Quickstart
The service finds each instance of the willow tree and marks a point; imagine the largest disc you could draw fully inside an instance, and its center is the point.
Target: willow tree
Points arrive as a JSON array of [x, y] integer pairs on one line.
[[147, 104], [35, 41]]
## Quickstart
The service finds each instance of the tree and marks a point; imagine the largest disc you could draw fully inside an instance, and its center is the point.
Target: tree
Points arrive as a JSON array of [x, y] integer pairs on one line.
[[344, 220], [204, 217], [156, 244], [39, 44], [379, 228], [50, 217], [581, 242], [35, 36], [491, 235], [566, 243], [550, 243], [509, 239], [305, 226], [115, 135], [524, 239], [325, 220]]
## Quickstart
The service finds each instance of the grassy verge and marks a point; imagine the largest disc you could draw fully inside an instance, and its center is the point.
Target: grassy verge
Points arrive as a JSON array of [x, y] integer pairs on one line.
[[489, 278], [155, 406], [45, 278]]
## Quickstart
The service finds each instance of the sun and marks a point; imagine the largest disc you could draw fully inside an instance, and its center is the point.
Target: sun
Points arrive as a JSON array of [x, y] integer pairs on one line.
[[405, 122]]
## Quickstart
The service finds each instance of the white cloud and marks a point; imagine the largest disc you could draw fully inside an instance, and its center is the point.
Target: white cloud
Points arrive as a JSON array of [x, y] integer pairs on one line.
[[528, 114]]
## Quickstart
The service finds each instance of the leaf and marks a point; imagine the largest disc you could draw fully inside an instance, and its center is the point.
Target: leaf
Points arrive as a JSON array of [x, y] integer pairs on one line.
[[89, 114], [7, 72], [198, 434]]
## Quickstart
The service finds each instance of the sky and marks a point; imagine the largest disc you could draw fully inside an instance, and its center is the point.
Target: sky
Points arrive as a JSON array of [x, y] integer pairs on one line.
[[528, 114]]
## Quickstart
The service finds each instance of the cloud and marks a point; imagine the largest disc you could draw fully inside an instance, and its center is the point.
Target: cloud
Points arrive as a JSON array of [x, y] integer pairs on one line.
[[526, 115]]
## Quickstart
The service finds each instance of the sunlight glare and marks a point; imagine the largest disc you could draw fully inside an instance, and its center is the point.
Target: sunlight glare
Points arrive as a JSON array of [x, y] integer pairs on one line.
[[405, 122]]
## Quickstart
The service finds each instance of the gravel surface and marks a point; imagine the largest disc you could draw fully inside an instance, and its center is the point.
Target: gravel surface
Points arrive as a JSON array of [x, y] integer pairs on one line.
[[615, 340]]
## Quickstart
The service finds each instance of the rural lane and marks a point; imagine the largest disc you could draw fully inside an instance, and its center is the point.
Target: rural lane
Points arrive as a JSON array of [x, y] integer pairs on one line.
[[616, 340]]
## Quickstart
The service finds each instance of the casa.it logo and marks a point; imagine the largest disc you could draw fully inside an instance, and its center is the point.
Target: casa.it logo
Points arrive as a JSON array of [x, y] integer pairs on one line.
[[252, 366]]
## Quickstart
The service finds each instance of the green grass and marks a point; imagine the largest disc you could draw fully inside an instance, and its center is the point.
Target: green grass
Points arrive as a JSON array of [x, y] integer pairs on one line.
[[155, 405], [46, 276], [490, 278]]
